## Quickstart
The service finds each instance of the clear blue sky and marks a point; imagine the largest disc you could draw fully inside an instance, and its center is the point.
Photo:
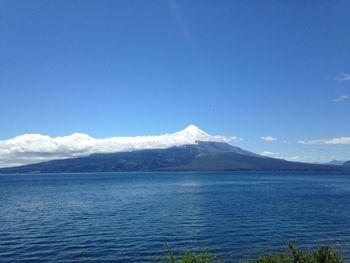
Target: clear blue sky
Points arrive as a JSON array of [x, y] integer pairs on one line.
[[243, 68]]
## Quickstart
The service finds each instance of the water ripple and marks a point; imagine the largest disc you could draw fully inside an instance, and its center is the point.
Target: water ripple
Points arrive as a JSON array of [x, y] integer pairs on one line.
[[129, 217]]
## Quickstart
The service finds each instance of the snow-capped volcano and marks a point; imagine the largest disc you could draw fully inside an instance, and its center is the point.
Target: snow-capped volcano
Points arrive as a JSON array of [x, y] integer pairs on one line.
[[30, 148], [191, 131]]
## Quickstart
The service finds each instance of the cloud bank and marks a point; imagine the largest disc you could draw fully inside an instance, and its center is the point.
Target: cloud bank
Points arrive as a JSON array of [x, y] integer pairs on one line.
[[32, 148], [340, 140], [295, 158]]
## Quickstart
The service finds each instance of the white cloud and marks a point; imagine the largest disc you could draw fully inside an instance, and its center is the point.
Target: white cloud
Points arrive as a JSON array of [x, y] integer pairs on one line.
[[269, 154], [340, 140], [297, 158], [31, 148], [303, 158], [344, 77], [341, 98], [269, 138]]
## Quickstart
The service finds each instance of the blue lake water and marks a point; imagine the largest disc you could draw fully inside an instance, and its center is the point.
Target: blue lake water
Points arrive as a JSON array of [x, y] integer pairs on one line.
[[127, 217]]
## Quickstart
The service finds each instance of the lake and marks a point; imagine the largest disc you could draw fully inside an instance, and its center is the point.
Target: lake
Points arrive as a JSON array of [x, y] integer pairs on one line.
[[128, 217]]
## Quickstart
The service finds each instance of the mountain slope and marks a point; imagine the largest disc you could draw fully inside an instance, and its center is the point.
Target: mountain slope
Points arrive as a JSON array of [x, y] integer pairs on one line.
[[334, 162], [32, 148], [203, 156]]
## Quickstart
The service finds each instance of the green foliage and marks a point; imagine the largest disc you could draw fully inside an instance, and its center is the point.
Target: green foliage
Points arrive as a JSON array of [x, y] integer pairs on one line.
[[325, 254], [322, 254], [274, 258], [188, 257]]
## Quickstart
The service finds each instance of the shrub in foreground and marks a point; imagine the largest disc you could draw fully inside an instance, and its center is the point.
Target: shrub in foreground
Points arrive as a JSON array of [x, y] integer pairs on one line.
[[321, 254]]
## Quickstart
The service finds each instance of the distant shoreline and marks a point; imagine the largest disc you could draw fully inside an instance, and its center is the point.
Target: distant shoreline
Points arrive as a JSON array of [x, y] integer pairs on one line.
[[180, 172]]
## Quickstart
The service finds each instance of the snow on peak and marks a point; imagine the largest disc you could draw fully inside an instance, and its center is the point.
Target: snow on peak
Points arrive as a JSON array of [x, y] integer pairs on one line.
[[192, 130], [192, 134]]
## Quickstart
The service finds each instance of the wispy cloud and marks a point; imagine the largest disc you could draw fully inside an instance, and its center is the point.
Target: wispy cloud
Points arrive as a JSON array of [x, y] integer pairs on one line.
[[341, 98], [269, 138], [297, 158], [181, 21], [340, 140], [294, 158], [343, 77], [31, 148], [269, 154]]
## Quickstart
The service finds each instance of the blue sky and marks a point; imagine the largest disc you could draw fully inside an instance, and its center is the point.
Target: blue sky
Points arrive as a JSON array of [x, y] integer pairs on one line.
[[241, 68]]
